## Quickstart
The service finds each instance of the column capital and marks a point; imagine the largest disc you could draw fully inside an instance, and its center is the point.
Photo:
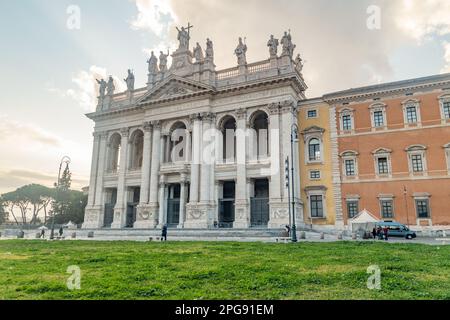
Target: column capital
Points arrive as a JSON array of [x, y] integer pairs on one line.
[[148, 127], [287, 106], [274, 108], [100, 134], [157, 125], [241, 114], [125, 132], [208, 116], [195, 117]]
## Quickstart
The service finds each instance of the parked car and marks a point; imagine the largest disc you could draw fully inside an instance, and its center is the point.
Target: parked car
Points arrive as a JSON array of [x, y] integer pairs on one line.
[[397, 230]]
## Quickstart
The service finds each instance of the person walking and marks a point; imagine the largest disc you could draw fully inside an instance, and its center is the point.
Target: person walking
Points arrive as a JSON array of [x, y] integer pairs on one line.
[[164, 233], [61, 231], [386, 233], [374, 233], [42, 234]]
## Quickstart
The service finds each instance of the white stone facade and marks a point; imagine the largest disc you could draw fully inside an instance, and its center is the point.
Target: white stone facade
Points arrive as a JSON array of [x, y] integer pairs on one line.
[[136, 182]]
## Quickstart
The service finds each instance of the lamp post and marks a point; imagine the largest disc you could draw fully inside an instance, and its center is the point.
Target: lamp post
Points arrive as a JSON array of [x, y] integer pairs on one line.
[[294, 139], [67, 161], [405, 194]]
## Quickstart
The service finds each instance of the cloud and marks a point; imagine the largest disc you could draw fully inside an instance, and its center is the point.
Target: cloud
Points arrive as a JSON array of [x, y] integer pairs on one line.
[[155, 16], [85, 92], [11, 129], [446, 46], [423, 19]]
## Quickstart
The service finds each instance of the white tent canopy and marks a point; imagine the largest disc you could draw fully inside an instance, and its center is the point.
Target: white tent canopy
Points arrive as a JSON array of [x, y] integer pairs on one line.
[[364, 221], [70, 225]]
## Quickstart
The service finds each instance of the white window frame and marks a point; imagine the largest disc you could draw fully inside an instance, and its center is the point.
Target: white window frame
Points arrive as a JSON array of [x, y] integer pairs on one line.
[[411, 103], [377, 107], [312, 109], [382, 153], [445, 98], [317, 191], [352, 198], [422, 197], [315, 179], [349, 155], [313, 132], [347, 112], [385, 198], [417, 150], [447, 156]]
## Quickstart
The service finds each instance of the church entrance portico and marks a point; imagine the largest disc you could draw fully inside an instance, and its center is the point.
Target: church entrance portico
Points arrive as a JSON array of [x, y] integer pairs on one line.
[[259, 204], [173, 205], [227, 204], [132, 204]]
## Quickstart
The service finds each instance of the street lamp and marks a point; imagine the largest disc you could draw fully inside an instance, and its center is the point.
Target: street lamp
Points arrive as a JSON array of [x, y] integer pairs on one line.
[[67, 161], [294, 139]]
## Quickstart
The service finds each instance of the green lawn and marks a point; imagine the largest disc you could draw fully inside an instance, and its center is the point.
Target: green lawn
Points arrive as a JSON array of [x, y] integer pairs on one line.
[[129, 270]]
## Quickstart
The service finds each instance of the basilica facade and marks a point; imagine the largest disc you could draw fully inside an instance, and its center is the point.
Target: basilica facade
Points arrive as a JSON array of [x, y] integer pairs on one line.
[[199, 148]]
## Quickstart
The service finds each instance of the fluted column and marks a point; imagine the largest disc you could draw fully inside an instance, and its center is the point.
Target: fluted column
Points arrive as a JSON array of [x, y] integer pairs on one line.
[[242, 213], [183, 200], [205, 194], [154, 174], [195, 163], [143, 213], [95, 211], [162, 202], [121, 205]]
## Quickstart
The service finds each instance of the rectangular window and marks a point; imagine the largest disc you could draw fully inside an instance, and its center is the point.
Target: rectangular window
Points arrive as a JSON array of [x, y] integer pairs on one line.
[[423, 208], [383, 167], [352, 209], [314, 175], [446, 107], [316, 203], [417, 163], [411, 114], [378, 119], [347, 123], [312, 114], [387, 209], [350, 168]]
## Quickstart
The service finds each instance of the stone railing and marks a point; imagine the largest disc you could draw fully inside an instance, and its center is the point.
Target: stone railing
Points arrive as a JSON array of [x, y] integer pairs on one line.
[[259, 66], [227, 73]]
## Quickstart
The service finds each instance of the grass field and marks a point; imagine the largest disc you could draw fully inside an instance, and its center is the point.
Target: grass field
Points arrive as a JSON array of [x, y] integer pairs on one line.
[[129, 270]]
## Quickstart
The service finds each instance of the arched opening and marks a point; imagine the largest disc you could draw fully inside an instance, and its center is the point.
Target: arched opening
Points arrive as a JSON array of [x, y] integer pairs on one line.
[[178, 144], [114, 152], [137, 150], [229, 139], [260, 125], [314, 150]]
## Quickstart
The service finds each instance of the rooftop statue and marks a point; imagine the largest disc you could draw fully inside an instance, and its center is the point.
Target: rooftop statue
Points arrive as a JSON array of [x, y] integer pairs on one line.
[[198, 53], [102, 89], [153, 64], [288, 46], [209, 50], [163, 61], [130, 80], [241, 53], [110, 87], [184, 37], [273, 46]]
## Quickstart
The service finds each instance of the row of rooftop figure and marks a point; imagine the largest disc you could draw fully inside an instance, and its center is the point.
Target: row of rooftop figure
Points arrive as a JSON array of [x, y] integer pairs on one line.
[[107, 88]]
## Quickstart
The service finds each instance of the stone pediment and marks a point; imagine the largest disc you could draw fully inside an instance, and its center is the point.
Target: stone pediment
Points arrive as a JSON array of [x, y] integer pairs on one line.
[[175, 88]]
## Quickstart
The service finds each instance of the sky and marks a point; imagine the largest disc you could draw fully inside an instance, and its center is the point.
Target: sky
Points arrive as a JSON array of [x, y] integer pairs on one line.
[[52, 51]]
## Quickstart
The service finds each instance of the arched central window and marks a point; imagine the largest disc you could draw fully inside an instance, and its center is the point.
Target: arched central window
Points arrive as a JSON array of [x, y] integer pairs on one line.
[[229, 139], [137, 150], [178, 143], [261, 127], [114, 152], [314, 151]]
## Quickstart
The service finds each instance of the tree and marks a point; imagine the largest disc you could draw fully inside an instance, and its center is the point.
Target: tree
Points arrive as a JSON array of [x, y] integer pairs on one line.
[[62, 193], [73, 208], [37, 196], [3, 214]]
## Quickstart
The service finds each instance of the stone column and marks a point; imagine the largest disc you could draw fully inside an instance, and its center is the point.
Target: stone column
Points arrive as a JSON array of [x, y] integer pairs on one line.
[[188, 153], [154, 175], [279, 210], [205, 179], [198, 212], [183, 200], [143, 212], [242, 220], [162, 202], [94, 213], [120, 211]]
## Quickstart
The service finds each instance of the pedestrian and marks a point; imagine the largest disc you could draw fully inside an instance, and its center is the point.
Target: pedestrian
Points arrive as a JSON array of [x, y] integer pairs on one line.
[[386, 233], [374, 233], [288, 230], [380, 233], [61, 231], [164, 233], [42, 234]]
